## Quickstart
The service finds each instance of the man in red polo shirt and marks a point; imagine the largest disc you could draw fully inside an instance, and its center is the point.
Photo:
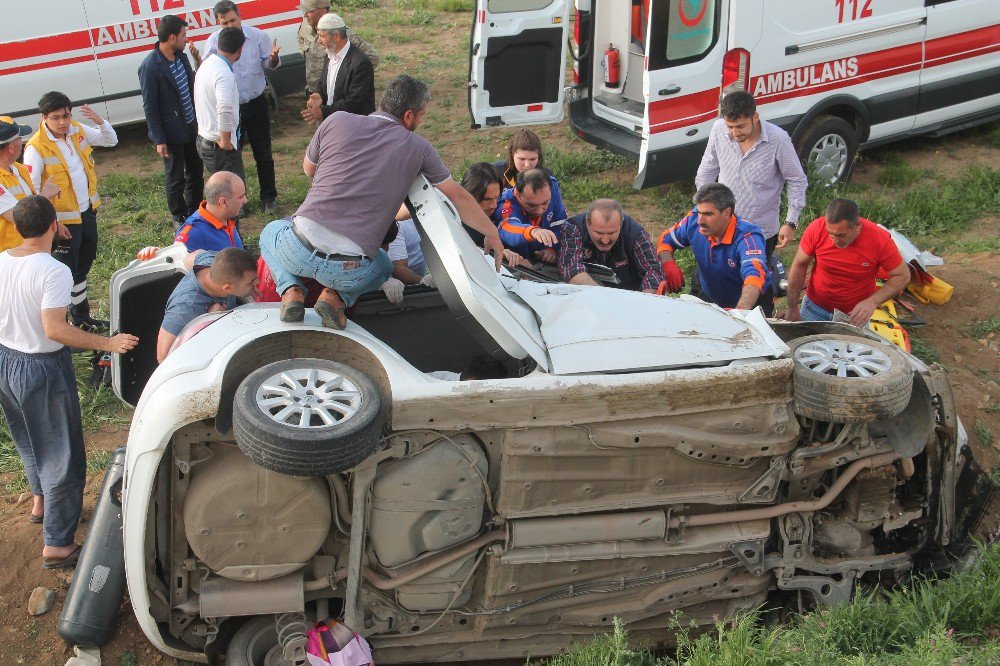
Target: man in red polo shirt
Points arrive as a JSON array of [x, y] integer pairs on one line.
[[848, 251]]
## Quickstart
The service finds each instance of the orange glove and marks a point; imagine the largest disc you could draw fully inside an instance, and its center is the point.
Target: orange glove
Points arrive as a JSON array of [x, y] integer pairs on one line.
[[147, 253], [674, 277]]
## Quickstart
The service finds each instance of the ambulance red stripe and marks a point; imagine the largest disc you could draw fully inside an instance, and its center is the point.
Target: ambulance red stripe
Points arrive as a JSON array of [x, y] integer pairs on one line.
[[668, 114]]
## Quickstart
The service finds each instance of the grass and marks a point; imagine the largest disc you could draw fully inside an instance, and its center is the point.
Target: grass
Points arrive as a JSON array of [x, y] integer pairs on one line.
[[984, 327], [953, 621], [984, 434], [922, 349]]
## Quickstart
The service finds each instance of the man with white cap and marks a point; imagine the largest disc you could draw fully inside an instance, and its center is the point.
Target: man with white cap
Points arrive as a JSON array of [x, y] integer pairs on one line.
[[314, 52], [347, 81]]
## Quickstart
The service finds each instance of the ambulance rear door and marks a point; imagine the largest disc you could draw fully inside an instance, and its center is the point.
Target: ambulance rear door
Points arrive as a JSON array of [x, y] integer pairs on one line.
[[517, 62], [685, 49]]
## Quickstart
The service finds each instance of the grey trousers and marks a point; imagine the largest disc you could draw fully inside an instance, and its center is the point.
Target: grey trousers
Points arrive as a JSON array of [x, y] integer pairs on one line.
[[40, 403]]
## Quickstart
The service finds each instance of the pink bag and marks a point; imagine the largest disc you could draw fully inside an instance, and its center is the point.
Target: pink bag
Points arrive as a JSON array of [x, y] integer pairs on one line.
[[334, 644]]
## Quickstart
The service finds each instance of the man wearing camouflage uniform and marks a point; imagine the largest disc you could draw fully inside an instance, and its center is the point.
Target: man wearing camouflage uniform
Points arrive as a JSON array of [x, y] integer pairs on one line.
[[314, 52]]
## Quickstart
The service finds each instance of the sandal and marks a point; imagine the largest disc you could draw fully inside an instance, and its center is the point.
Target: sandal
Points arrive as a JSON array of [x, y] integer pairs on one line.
[[35, 520], [63, 562]]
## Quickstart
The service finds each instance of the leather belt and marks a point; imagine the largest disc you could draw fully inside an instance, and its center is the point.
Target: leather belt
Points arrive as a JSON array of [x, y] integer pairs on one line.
[[322, 255]]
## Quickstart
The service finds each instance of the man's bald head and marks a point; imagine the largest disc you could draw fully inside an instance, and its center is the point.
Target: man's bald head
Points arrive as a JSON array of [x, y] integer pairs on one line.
[[225, 194]]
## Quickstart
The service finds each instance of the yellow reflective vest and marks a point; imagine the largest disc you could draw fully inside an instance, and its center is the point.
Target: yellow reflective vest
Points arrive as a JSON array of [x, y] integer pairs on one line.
[[55, 167], [8, 180]]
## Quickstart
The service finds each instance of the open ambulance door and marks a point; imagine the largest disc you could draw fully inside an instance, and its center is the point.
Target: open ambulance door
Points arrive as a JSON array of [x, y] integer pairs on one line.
[[687, 66], [517, 62]]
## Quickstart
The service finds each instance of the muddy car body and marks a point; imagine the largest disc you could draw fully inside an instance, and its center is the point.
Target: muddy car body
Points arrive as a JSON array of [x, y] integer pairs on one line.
[[647, 455]]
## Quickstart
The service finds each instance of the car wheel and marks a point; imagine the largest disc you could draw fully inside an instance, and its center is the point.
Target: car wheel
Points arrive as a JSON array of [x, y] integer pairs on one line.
[[307, 417], [844, 379], [255, 644], [827, 149]]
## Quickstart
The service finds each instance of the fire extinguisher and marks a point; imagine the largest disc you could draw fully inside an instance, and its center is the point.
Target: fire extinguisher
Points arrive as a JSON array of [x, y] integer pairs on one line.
[[612, 67]]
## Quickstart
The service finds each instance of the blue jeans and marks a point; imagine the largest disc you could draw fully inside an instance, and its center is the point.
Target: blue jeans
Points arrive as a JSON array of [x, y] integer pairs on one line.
[[812, 312], [290, 261]]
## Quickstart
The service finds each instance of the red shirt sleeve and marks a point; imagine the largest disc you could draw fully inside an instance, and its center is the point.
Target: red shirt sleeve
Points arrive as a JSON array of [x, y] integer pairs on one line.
[[812, 235], [889, 256]]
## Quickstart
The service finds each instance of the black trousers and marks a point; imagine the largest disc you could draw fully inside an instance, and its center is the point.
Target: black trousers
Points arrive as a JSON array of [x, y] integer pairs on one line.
[[183, 177], [255, 129], [79, 251], [216, 159]]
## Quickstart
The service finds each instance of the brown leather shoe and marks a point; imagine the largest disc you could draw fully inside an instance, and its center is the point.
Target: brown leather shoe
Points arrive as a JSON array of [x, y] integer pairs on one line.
[[293, 307], [330, 308]]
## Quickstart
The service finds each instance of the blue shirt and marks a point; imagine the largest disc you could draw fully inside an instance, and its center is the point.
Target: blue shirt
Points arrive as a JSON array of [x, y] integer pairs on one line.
[[202, 231], [726, 266], [189, 300], [515, 224], [181, 77]]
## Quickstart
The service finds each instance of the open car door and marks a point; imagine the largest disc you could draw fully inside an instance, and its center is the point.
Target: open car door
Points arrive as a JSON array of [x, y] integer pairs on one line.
[[685, 54], [517, 62]]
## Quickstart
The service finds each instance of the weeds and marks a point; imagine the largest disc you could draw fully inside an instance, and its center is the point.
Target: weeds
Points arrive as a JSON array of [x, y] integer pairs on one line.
[[984, 327], [899, 175], [984, 434], [923, 350]]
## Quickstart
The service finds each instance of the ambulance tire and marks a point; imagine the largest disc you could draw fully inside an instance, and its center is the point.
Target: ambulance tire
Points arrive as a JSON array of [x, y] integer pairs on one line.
[[827, 149], [848, 379], [308, 417]]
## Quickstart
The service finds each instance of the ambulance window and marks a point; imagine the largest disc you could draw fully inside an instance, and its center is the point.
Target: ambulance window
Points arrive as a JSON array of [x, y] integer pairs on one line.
[[505, 6], [682, 31]]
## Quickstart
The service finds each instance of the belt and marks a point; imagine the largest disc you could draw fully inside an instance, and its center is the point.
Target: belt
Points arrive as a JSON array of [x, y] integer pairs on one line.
[[322, 255]]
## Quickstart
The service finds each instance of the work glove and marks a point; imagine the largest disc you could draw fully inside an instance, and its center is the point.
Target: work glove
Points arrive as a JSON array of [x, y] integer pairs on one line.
[[428, 281], [393, 289], [147, 253], [674, 277]]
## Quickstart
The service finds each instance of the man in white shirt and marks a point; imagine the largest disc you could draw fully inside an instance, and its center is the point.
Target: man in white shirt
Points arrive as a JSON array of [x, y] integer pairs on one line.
[[217, 106], [62, 150], [259, 53], [38, 394]]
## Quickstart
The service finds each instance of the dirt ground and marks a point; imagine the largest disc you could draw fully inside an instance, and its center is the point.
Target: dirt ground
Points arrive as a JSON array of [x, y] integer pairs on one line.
[[974, 365]]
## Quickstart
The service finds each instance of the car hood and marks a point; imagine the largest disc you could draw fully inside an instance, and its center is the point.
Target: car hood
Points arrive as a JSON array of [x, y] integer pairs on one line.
[[571, 329]]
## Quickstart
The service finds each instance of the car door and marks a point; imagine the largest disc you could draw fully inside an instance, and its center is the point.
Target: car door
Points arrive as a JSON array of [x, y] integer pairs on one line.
[[685, 48], [139, 294], [960, 76], [517, 62]]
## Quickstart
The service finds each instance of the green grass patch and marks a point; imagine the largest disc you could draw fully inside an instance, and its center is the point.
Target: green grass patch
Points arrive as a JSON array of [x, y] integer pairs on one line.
[[928, 622], [984, 434], [899, 175], [983, 327], [922, 349]]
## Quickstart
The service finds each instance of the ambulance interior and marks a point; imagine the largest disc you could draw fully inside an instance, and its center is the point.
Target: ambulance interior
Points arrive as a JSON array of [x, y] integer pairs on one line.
[[624, 24]]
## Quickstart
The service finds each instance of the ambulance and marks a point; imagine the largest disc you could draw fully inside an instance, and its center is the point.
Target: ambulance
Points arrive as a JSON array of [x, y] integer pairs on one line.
[[648, 75], [91, 50]]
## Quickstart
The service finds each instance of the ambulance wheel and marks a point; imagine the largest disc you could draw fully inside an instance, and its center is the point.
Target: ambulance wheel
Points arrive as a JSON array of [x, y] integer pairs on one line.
[[827, 149], [847, 379], [307, 417]]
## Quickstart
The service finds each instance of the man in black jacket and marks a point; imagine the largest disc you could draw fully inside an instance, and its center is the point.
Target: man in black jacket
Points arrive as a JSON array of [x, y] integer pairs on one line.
[[167, 83], [347, 82]]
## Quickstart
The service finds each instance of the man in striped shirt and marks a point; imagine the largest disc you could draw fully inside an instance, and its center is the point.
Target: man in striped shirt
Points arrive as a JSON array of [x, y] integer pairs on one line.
[[756, 160], [167, 83]]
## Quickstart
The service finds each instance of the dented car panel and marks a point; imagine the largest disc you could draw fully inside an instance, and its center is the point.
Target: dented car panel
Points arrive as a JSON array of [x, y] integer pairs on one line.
[[617, 472]]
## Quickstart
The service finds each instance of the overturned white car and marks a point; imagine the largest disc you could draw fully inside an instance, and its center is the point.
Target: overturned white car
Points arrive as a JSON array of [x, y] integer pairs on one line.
[[646, 455]]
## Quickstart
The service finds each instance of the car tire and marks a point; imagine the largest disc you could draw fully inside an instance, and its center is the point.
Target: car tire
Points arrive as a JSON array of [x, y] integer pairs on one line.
[[847, 379], [828, 148], [253, 642], [282, 422]]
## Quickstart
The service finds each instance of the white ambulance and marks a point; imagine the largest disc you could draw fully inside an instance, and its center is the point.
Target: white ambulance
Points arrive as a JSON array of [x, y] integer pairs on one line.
[[91, 50], [836, 74]]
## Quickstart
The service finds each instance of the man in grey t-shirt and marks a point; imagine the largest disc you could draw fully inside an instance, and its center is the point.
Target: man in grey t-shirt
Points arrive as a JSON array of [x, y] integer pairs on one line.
[[362, 168]]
